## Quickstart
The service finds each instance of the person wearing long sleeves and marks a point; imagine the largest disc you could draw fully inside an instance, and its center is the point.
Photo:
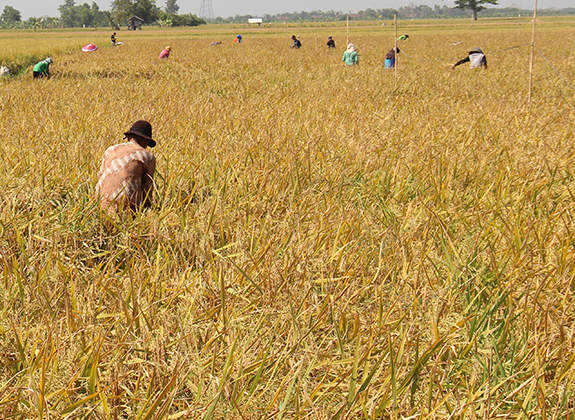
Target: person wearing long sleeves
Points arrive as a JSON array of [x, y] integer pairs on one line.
[[166, 52], [390, 58], [126, 176], [476, 59], [350, 56], [296, 42], [42, 69]]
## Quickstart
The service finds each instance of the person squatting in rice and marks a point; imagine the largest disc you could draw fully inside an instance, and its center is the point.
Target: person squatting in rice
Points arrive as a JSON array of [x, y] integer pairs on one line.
[[126, 176]]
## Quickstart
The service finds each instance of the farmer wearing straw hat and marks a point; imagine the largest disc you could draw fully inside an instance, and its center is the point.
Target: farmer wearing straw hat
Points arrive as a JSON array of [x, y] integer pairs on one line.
[[350, 56], [126, 176], [476, 59], [166, 52], [42, 69]]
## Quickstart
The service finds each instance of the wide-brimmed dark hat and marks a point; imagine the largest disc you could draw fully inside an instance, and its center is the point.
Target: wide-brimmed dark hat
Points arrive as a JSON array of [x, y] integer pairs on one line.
[[143, 129], [475, 51]]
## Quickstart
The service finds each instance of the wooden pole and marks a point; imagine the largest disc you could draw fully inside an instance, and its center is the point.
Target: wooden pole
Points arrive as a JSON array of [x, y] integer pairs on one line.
[[347, 29], [395, 38], [532, 51], [299, 35], [316, 41]]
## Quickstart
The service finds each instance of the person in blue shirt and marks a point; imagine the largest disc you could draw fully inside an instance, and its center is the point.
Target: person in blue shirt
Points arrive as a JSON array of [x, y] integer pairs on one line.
[[296, 42], [238, 39], [390, 58]]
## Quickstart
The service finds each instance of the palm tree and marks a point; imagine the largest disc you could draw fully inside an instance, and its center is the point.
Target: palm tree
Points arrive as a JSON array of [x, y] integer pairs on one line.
[[34, 23], [165, 22], [110, 20]]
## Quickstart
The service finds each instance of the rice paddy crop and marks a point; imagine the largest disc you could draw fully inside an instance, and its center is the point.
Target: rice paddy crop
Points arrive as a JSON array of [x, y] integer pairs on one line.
[[325, 242]]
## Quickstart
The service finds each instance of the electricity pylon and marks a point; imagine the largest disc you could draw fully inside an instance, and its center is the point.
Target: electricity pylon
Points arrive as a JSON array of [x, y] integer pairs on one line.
[[206, 10]]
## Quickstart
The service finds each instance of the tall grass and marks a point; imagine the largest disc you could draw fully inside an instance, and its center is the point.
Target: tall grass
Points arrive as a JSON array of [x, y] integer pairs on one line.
[[326, 242]]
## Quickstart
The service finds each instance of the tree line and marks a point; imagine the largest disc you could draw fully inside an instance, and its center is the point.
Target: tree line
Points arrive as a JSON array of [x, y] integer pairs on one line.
[[465, 10], [74, 15], [86, 15]]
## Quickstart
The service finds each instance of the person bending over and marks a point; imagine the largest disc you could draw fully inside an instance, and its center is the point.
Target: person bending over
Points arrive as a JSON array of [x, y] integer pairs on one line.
[[296, 42], [126, 175], [476, 59], [42, 69]]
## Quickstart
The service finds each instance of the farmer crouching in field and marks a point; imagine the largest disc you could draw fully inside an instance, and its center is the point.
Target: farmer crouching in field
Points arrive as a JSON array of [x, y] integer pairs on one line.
[[476, 58], [126, 176], [296, 42], [42, 69], [350, 56], [390, 58], [166, 52]]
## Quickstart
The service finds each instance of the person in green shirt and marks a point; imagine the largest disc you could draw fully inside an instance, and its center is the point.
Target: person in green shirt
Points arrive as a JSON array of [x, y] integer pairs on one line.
[[350, 56], [42, 69], [403, 37]]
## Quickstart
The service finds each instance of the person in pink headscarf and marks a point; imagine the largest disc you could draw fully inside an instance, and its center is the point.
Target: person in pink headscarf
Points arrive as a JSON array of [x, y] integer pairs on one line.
[[166, 52]]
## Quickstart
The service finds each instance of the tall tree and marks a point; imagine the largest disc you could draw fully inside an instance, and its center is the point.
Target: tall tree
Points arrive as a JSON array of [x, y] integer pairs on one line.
[[172, 7], [69, 14], [145, 9], [474, 5], [122, 10], [10, 15]]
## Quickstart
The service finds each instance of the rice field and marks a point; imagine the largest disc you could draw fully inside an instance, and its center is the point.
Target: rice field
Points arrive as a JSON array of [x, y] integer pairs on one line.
[[325, 242]]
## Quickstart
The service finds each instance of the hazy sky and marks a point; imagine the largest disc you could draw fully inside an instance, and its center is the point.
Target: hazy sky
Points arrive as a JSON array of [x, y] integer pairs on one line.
[[227, 8]]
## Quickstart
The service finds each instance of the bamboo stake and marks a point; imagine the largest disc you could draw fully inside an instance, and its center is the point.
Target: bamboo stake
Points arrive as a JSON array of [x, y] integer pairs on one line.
[[395, 35], [315, 41], [532, 51], [348, 29]]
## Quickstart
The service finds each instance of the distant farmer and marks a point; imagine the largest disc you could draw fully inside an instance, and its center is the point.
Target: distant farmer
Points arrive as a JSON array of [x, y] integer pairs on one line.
[[330, 42], [296, 42], [166, 52], [476, 59], [350, 56], [390, 58], [238, 39], [126, 176], [403, 37], [213, 44], [113, 38], [42, 68]]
